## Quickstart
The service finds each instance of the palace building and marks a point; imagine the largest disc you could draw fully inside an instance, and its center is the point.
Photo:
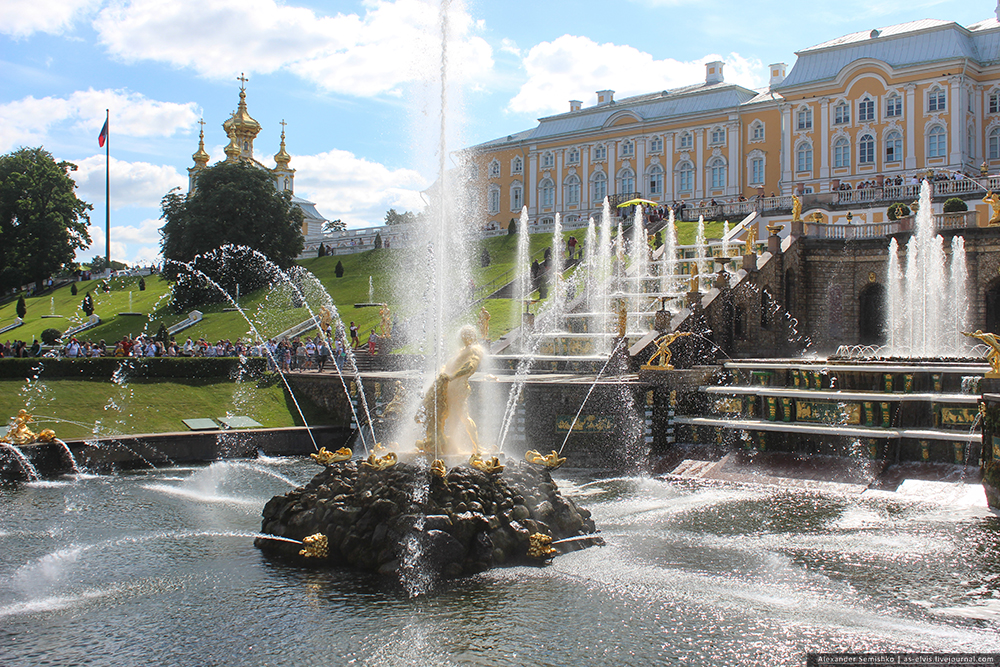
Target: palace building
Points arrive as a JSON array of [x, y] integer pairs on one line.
[[889, 103], [242, 129]]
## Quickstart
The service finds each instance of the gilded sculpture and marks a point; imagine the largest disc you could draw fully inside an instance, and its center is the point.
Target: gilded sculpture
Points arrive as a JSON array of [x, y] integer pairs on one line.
[[325, 457], [18, 432], [444, 409], [993, 354], [660, 360], [796, 209], [491, 465], [386, 321], [621, 310], [994, 202], [550, 461], [540, 546], [315, 546], [751, 239]]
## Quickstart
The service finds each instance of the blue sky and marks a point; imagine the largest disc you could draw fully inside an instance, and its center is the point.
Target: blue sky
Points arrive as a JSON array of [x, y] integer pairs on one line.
[[354, 81]]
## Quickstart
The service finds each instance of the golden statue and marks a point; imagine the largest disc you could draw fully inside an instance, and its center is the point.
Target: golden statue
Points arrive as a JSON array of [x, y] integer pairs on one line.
[[484, 323], [621, 310], [994, 202], [325, 458], [438, 468], [490, 466], [386, 321], [750, 241], [444, 409], [376, 462], [693, 284], [325, 318], [993, 355], [540, 546], [660, 360], [551, 461], [18, 432], [796, 209], [315, 546], [394, 408]]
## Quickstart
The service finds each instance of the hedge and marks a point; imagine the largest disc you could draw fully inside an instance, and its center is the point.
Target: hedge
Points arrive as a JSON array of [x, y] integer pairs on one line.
[[135, 367]]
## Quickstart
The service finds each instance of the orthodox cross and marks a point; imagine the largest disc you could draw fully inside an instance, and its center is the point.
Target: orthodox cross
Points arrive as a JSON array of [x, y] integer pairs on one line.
[[242, 79]]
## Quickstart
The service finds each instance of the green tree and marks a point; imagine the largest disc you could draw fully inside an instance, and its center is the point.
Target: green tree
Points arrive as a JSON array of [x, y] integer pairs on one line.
[[339, 269], [73, 290], [21, 308], [954, 205], [392, 217], [334, 225], [87, 305], [42, 222], [233, 204], [378, 239]]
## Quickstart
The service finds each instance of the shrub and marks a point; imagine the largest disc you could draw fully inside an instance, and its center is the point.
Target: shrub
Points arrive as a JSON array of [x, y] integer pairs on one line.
[[51, 336], [21, 308], [897, 211], [955, 205], [142, 284], [339, 269], [88, 305], [378, 240], [72, 289], [512, 228]]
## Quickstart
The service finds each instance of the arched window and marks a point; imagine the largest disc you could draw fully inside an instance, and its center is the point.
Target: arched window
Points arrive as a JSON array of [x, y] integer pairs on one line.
[[937, 142], [937, 99], [995, 143], [654, 176], [866, 109], [516, 196], [685, 176], [493, 199], [626, 181], [717, 173], [571, 190], [495, 169], [628, 148], [893, 147], [517, 166], [866, 149], [804, 157], [547, 193], [757, 130], [841, 114], [894, 106], [686, 140], [598, 187], [994, 105], [842, 153]]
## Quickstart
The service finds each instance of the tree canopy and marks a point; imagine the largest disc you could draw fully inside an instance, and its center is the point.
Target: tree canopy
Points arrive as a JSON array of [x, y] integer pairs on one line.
[[392, 217], [42, 222], [233, 204]]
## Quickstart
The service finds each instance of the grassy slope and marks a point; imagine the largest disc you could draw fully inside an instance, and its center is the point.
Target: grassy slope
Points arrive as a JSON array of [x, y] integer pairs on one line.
[[80, 408]]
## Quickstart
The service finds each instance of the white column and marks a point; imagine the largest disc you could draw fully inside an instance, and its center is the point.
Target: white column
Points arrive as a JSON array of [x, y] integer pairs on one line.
[[733, 180], [640, 165], [585, 178], [956, 112], [668, 167], [530, 183], [788, 149], [911, 127], [977, 104], [699, 164], [824, 142], [557, 178], [612, 167]]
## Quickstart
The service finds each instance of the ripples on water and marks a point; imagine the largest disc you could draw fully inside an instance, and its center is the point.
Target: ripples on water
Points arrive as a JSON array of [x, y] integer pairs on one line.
[[158, 567]]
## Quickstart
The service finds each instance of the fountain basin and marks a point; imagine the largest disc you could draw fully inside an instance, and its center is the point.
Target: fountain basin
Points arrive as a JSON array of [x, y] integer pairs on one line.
[[406, 519]]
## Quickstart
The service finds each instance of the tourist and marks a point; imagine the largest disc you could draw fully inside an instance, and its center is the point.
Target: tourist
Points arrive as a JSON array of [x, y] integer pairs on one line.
[[322, 354], [300, 355], [355, 342], [372, 340]]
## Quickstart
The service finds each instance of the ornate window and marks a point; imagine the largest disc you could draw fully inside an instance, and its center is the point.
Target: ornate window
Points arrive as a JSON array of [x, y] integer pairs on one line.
[[757, 171], [937, 142], [628, 148], [600, 152], [717, 173], [841, 153], [548, 160], [687, 140], [804, 157], [626, 181], [866, 109], [894, 106], [573, 157], [757, 131], [495, 169], [804, 119], [517, 165], [598, 187], [547, 193], [718, 136], [994, 144], [656, 145], [571, 190], [893, 147], [493, 199], [937, 99], [970, 142], [866, 149], [841, 114], [685, 176], [516, 196], [994, 104], [654, 176]]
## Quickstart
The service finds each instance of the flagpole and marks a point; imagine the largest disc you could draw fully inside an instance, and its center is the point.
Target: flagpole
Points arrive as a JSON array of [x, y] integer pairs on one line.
[[107, 190]]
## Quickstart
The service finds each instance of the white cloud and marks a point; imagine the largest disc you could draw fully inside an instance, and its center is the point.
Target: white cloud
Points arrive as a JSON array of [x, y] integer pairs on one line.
[[20, 18], [574, 67], [27, 121], [394, 43], [356, 190], [132, 183]]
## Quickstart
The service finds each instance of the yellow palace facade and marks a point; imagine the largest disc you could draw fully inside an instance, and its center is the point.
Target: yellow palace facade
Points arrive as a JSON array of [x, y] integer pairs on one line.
[[889, 103]]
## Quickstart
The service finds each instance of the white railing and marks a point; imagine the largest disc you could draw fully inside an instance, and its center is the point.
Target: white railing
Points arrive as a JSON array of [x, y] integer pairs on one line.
[[942, 221], [17, 322], [192, 319], [736, 209]]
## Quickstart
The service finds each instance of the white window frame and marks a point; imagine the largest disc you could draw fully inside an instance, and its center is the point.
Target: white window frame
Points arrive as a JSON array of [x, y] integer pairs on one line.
[[495, 168], [842, 153], [937, 142], [993, 142], [842, 113], [573, 157], [656, 145], [937, 99], [756, 171], [517, 165], [600, 152], [654, 176], [804, 119], [718, 136], [687, 141], [866, 109], [894, 147], [571, 190], [598, 187], [757, 130], [894, 106], [685, 176], [804, 157], [718, 173], [628, 148], [547, 193], [625, 181], [516, 196], [866, 149]]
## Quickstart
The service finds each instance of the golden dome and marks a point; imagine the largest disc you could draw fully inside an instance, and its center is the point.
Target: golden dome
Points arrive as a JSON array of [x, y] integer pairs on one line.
[[201, 158], [241, 122], [282, 158]]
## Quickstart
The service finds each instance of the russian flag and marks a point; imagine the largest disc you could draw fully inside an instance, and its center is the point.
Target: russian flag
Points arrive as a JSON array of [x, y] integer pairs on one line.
[[104, 135]]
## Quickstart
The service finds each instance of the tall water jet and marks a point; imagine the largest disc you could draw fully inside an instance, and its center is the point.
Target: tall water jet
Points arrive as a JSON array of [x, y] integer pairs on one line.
[[639, 266], [556, 273], [701, 248], [930, 304], [725, 239], [669, 257], [522, 270], [590, 262], [602, 277]]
